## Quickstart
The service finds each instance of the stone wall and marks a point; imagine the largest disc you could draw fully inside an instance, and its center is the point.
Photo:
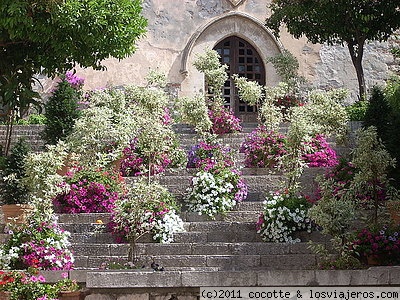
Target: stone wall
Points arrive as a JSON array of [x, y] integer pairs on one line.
[[177, 33], [30, 132]]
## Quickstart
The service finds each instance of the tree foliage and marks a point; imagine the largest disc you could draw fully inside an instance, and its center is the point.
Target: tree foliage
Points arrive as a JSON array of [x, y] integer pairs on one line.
[[350, 22], [51, 36]]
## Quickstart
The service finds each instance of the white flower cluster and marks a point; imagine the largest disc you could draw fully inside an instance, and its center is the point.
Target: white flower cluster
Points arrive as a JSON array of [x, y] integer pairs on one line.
[[165, 228], [278, 221], [7, 256], [210, 194]]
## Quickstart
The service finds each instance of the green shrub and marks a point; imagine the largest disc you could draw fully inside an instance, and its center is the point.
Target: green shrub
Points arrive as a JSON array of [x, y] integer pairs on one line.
[[33, 119], [378, 113], [12, 189], [357, 110], [61, 111]]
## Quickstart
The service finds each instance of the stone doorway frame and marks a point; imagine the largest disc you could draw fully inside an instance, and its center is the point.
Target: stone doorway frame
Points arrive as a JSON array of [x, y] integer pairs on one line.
[[239, 24]]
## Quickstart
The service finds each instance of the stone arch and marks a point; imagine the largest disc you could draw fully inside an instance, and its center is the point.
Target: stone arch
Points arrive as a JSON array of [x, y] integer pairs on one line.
[[209, 35]]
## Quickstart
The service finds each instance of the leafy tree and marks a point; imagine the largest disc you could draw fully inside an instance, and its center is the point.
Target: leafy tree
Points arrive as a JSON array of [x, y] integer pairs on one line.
[[51, 36], [350, 22]]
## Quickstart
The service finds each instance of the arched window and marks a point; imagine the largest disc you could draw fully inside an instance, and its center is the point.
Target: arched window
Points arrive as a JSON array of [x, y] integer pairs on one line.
[[244, 60]]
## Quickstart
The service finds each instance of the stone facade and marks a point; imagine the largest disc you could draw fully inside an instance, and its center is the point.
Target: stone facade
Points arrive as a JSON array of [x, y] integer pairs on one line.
[[179, 30]]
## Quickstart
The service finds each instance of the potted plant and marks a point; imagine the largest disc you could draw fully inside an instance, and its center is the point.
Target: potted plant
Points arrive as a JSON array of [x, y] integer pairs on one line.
[[14, 194], [263, 148], [147, 208], [283, 214], [16, 285], [89, 191], [378, 246], [40, 244], [69, 289]]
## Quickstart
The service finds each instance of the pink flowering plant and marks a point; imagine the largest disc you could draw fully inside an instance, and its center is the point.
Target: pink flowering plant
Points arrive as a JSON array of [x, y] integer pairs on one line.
[[283, 214], [341, 177], [74, 80], [382, 245], [136, 162], [263, 148], [90, 191], [40, 244], [286, 102], [27, 285], [318, 153], [223, 121]]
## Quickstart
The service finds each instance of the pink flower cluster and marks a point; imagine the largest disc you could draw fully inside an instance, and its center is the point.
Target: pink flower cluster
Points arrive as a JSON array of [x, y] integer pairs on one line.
[[39, 255], [322, 155], [135, 163], [86, 197], [262, 148], [224, 121], [286, 102], [166, 118], [75, 81], [382, 245]]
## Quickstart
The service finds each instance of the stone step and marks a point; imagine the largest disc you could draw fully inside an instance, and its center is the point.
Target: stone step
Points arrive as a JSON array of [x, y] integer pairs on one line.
[[191, 237], [244, 211], [221, 262], [215, 248]]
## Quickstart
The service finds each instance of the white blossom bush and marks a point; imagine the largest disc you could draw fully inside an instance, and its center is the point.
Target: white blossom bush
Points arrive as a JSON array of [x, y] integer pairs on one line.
[[283, 215], [147, 208], [215, 192]]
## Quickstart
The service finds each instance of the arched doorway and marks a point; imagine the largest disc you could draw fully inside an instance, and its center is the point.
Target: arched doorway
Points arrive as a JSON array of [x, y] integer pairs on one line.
[[242, 59]]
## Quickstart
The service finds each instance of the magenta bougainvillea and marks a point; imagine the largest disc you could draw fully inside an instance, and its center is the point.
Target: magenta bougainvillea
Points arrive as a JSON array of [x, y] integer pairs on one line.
[[263, 148], [89, 192], [383, 245], [224, 121], [136, 163], [320, 154]]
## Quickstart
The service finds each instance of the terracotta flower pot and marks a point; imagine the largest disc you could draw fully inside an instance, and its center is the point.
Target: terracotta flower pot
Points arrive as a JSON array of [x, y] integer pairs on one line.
[[372, 261], [5, 295], [77, 295], [394, 212], [15, 213]]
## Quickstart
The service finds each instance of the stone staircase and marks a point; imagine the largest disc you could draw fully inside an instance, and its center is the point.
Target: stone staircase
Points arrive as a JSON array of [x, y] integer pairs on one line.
[[226, 251], [229, 242]]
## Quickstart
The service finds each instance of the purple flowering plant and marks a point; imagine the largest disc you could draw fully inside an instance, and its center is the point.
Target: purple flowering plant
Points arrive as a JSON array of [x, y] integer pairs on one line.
[[207, 154], [224, 121], [263, 148], [320, 154], [74, 80], [382, 244], [90, 191]]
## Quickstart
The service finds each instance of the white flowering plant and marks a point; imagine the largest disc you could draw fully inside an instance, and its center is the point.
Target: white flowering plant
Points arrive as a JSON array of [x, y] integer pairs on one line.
[[40, 244], [147, 208], [283, 214], [215, 191]]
